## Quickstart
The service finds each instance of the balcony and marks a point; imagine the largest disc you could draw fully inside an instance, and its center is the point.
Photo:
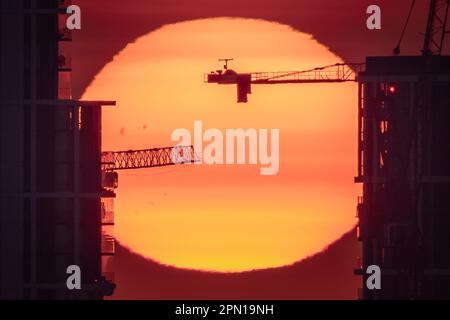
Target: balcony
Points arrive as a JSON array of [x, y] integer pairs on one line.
[[64, 63], [107, 211], [108, 245], [107, 217], [359, 206], [109, 276], [64, 34], [110, 179]]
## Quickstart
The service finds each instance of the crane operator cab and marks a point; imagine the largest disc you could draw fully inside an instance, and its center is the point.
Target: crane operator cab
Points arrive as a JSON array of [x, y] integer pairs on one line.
[[229, 76]]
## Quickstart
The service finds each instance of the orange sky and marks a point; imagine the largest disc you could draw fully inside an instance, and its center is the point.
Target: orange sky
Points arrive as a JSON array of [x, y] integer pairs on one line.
[[229, 218]]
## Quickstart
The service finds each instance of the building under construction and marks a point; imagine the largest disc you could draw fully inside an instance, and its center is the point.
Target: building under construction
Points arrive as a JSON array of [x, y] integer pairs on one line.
[[57, 186], [404, 165], [51, 212]]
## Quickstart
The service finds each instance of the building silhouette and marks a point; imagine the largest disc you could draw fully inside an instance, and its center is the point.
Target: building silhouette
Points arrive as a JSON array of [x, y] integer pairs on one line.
[[404, 165], [51, 208]]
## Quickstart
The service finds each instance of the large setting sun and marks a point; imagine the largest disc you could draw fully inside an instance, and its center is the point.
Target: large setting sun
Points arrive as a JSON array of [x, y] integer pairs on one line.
[[229, 217]]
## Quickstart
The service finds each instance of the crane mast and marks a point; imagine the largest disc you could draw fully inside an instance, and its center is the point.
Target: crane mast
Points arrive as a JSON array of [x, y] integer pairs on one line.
[[436, 27]]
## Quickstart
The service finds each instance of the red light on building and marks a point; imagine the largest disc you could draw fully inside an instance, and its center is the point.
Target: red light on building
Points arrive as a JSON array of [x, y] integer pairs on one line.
[[392, 89]]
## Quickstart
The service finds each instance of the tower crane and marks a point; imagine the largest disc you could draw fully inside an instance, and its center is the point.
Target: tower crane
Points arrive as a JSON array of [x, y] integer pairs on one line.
[[340, 72], [147, 158], [139, 159]]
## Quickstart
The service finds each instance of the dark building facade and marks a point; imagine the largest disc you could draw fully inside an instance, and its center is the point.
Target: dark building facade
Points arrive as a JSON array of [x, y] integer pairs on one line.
[[404, 166], [51, 212]]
